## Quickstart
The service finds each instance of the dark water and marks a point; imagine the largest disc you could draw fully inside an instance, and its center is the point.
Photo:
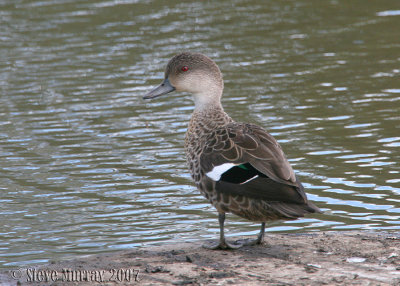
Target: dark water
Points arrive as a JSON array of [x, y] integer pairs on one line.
[[87, 166]]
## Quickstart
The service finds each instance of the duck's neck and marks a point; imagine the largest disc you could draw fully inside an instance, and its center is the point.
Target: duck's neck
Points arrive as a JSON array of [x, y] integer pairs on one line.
[[208, 112], [207, 100], [208, 117]]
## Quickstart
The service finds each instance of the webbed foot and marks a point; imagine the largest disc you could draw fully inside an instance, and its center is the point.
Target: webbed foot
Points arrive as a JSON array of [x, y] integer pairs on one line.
[[222, 245], [248, 242]]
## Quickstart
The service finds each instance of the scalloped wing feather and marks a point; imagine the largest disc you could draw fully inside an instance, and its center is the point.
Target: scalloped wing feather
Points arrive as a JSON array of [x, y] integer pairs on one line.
[[241, 143]]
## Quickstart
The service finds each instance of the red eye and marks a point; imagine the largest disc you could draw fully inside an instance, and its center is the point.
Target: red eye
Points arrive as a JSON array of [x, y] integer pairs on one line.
[[184, 68]]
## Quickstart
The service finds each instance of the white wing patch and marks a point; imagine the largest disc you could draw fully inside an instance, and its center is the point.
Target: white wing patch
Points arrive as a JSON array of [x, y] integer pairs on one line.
[[217, 171], [252, 178]]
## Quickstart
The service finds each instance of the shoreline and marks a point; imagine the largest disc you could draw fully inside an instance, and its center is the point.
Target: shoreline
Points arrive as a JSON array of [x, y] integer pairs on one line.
[[320, 258]]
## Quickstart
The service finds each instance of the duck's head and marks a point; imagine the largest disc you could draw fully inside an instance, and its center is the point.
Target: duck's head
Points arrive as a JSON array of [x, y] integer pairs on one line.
[[194, 73]]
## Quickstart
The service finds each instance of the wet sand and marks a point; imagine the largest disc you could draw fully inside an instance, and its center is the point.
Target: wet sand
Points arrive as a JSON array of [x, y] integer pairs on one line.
[[330, 258]]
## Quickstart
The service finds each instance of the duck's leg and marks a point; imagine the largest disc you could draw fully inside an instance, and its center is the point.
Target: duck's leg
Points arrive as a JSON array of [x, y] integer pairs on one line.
[[223, 244], [258, 240], [260, 236]]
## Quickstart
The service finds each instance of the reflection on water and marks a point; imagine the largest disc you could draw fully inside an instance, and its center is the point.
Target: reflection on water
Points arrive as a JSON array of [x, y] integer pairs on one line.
[[88, 167]]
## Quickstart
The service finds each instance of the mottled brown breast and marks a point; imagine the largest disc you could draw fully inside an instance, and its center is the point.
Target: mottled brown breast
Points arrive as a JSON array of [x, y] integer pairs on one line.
[[201, 125]]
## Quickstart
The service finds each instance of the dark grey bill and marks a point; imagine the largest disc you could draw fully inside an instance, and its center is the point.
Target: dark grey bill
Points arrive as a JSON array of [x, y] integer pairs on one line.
[[163, 88]]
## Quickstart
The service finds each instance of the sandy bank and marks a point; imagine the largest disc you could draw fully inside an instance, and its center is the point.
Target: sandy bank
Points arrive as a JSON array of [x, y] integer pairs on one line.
[[332, 258]]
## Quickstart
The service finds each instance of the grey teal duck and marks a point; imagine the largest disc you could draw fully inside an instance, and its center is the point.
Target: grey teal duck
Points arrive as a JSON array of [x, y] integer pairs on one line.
[[239, 167]]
